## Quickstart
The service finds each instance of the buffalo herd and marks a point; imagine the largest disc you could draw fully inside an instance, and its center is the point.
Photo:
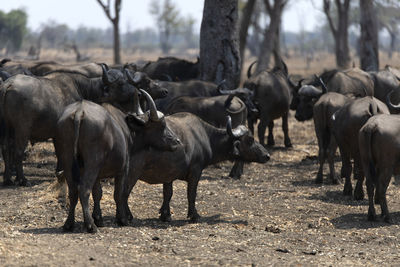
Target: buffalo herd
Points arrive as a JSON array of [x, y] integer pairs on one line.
[[157, 122]]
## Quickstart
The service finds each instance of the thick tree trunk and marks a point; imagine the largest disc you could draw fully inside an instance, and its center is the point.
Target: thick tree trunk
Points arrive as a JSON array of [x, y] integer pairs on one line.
[[340, 31], [369, 51], [219, 46], [271, 34], [117, 55], [244, 27]]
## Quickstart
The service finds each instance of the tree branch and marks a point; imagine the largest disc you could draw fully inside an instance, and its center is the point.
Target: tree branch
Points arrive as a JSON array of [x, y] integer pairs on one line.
[[328, 16], [268, 6], [106, 8]]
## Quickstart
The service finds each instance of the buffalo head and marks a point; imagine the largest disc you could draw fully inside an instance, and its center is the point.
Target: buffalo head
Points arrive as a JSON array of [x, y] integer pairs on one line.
[[245, 148], [142, 80], [150, 128]]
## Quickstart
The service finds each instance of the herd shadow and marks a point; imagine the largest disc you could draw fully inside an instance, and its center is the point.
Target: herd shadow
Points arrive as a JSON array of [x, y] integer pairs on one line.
[[359, 221], [153, 223]]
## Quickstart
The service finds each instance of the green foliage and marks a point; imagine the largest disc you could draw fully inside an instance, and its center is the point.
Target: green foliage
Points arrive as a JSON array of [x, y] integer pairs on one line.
[[12, 29]]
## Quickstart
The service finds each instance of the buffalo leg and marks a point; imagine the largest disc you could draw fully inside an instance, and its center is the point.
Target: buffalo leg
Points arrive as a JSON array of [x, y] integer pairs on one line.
[[359, 176], [73, 200], [237, 170], [86, 185], [165, 211], [7, 157], [331, 159], [191, 195], [285, 129], [97, 193], [370, 192], [321, 159], [346, 172], [271, 141], [250, 123], [21, 141], [262, 126], [384, 180], [123, 188]]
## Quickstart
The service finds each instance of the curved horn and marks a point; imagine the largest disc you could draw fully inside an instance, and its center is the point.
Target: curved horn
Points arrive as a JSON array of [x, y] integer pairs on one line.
[[323, 85], [136, 103], [389, 103], [137, 77], [249, 69], [237, 132], [106, 79], [311, 91], [154, 116]]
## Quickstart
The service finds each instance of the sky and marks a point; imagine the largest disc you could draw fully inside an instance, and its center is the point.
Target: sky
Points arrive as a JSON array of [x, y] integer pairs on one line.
[[300, 14]]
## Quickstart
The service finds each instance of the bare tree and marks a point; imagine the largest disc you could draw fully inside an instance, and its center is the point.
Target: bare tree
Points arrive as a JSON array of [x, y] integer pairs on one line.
[[389, 19], [369, 50], [340, 30], [271, 33], [168, 21], [219, 47], [244, 27], [115, 22]]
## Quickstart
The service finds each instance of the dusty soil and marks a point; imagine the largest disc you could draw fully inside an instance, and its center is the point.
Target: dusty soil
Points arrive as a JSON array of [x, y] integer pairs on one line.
[[274, 215]]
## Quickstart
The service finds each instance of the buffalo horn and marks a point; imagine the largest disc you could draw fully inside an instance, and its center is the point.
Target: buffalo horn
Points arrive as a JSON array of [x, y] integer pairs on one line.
[[219, 86], [237, 132], [136, 103], [249, 69], [106, 79], [323, 85], [137, 77], [389, 103], [154, 114], [309, 90]]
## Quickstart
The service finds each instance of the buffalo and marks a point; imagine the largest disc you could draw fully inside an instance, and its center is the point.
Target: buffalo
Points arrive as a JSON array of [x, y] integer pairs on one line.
[[214, 110], [201, 145], [93, 142], [172, 69], [351, 82], [31, 106], [346, 124], [323, 110], [273, 92]]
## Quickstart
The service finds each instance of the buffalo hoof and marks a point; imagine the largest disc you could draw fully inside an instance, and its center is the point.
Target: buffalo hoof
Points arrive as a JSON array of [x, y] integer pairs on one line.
[[371, 217], [270, 143], [8, 182], [387, 219], [288, 144], [347, 191], [23, 182], [91, 228], [358, 195], [318, 180], [194, 218], [99, 222], [165, 217], [122, 221], [69, 226]]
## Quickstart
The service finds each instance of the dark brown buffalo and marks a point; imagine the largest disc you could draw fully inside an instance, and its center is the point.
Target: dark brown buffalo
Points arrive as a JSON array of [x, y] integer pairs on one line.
[[352, 83], [379, 142], [31, 106], [202, 145], [214, 110], [94, 142], [324, 108], [346, 124], [166, 68], [273, 94]]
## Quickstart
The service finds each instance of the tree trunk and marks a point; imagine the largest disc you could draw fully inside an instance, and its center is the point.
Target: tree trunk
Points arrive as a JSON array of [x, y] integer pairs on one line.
[[271, 34], [117, 55], [244, 27], [369, 51], [219, 46], [340, 31]]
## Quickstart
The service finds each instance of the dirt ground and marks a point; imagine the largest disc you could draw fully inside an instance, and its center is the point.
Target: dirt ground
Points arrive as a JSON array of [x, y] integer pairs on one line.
[[274, 215]]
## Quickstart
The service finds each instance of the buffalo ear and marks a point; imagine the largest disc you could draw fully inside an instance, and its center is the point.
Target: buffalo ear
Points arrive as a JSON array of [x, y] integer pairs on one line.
[[135, 122], [236, 151]]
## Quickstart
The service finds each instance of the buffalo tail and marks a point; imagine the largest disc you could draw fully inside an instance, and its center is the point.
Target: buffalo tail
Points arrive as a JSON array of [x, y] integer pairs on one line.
[[75, 163]]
